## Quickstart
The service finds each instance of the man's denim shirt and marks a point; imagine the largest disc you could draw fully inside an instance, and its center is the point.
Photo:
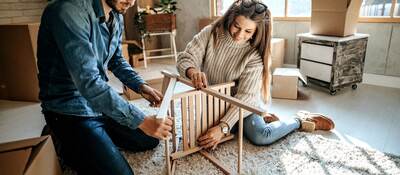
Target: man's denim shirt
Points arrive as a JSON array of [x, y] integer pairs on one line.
[[75, 49]]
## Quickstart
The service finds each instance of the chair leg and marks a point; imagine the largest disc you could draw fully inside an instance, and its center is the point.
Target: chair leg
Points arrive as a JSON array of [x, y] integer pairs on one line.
[[167, 157], [216, 162], [174, 46], [144, 52], [240, 141]]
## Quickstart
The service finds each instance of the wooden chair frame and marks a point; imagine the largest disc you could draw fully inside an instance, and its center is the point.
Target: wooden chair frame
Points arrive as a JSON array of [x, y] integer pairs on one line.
[[201, 110]]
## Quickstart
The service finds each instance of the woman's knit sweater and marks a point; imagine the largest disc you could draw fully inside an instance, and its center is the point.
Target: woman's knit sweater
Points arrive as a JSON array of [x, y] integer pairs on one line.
[[225, 62]]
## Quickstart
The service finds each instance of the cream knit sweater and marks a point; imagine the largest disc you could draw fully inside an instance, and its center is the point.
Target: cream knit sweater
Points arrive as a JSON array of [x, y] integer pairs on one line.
[[225, 63]]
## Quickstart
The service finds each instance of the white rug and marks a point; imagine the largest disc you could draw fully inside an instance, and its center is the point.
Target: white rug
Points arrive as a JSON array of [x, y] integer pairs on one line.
[[299, 153]]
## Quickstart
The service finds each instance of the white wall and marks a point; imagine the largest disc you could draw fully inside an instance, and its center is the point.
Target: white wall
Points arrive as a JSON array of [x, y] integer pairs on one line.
[[383, 52]]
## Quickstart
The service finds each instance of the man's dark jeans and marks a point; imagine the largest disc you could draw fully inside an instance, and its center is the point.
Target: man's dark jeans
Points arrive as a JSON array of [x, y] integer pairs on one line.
[[90, 144]]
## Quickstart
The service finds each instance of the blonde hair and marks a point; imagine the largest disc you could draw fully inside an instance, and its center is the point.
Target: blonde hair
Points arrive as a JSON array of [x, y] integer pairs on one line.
[[261, 39]]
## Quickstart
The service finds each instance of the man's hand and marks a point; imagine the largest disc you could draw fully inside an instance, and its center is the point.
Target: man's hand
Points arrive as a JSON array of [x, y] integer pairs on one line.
[[157, 128], [198, 78], [152, 95], [211, 138]]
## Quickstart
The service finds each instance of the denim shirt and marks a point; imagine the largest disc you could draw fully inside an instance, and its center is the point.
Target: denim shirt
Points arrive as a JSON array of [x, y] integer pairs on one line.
[[75, 49]]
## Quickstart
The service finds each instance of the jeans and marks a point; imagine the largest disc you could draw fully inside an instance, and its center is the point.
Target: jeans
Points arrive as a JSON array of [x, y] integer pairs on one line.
[[90, 144], [258, 132]]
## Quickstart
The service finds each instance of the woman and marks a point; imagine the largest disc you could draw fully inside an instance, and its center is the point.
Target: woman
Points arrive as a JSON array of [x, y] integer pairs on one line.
[[237, 48]]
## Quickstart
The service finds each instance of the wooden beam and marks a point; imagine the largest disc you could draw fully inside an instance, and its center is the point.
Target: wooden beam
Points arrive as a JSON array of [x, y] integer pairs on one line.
[[392, 8], [240, 141], [173, 167], [216, 162], [184, 153], [286, 8], [167, 157], [214, 93], [162, 113], [185, 94]]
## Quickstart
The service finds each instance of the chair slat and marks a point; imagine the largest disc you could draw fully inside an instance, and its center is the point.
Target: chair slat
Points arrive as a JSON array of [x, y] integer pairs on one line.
[[210, 107], [192, 129], [198, 115], [184, 123], [172, 114], [222, 104], [204, 113], [228, 92], [216, 110]]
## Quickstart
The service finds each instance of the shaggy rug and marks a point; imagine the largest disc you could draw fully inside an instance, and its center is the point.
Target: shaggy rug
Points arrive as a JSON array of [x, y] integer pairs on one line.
[[298, 153]]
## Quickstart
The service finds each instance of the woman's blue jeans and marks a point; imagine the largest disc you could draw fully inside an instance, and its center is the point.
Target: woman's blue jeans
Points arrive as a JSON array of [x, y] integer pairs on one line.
[[90, 144], [258, 132]]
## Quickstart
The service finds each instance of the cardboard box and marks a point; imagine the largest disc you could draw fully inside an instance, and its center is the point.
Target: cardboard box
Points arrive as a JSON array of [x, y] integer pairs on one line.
[[29, 157], [285, 82], [18, 70], [278, 52], [334, 17]]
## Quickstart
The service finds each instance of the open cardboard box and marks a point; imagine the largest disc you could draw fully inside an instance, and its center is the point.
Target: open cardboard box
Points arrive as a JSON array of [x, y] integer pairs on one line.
[[285, 82], [35, 156], [334, 17]]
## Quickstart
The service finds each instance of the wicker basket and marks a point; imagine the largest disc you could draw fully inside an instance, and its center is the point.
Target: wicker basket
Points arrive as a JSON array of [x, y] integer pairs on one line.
[[160, 22]]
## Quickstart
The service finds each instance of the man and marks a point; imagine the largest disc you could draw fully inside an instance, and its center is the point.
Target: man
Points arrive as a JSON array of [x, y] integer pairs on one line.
[[78, 41]]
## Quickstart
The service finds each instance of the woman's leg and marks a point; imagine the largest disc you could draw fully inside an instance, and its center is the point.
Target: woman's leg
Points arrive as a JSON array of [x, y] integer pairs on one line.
[[260, 133]]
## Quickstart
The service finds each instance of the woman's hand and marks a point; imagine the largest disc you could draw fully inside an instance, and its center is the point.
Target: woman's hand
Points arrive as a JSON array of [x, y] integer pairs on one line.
[[211, 138], [198, 78], [152, 95]]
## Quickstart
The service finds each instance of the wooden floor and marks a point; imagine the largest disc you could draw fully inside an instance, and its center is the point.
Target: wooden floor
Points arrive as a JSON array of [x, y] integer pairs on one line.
[[368, 116]]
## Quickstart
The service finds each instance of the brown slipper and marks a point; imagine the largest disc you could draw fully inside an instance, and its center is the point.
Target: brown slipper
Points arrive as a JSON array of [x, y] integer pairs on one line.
[[322, 122]]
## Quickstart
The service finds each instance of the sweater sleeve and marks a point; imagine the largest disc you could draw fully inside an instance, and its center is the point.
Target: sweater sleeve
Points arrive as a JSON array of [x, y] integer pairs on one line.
[[249, 87], [195, 51]]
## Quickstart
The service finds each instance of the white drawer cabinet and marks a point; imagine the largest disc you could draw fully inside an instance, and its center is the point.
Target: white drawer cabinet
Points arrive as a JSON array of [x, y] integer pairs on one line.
[[318, 53], [333, 62], [316, 70]]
